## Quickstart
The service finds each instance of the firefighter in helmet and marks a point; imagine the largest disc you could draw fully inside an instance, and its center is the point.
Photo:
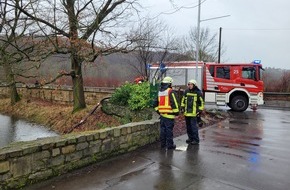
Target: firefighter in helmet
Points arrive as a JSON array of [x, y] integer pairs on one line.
[[166, 105], [192, 105]]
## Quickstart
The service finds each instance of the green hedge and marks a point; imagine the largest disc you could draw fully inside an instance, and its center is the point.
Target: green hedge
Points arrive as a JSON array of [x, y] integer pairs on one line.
[[135, 96]]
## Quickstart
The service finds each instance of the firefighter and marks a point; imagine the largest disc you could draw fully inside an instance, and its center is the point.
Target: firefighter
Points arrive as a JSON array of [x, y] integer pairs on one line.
[[192, 105], [139, 80], [198, 117], [167, 106]]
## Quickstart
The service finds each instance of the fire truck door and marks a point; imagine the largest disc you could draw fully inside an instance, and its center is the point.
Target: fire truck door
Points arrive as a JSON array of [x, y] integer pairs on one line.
[[249, 80], [223, 79]]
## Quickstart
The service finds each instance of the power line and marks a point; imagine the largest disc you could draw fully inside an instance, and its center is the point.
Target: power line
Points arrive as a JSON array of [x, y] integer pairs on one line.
[[270, 29], [178, 9]]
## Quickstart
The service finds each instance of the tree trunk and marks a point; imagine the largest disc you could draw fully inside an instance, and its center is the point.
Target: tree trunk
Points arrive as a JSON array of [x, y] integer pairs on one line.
[[76, 60], [14, 96], [78, 87]]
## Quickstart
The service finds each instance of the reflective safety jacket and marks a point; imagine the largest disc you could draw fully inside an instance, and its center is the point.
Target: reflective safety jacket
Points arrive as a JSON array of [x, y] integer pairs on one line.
[[167, 103], [192, 102]]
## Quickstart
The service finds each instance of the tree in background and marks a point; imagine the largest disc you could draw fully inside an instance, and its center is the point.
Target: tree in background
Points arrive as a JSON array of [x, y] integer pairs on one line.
[[284, 82], [19, 52], [155, 42], [208, 51], [276, 80], [83, 29]]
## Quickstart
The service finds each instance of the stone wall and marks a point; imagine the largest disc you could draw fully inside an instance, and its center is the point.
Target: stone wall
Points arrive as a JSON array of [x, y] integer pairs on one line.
[[60, 95], [24, 163]]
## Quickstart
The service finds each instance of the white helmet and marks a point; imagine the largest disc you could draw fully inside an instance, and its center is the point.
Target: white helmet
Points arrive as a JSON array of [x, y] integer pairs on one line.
[[167, 80], [192, 81]]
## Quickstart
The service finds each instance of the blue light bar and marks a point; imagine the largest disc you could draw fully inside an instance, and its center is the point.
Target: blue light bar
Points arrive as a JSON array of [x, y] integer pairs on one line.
[[148, 65], [257, 61]]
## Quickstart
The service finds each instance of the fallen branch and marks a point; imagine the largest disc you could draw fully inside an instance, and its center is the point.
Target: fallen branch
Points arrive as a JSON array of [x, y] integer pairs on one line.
[[83, 120]]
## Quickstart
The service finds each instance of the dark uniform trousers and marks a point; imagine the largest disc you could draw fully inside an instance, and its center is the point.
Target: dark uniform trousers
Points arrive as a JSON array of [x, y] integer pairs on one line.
[[192, 129], [166, 132]]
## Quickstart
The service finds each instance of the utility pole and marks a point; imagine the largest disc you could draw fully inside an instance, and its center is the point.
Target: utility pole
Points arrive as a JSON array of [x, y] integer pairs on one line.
[[197, 40], [220, 43]]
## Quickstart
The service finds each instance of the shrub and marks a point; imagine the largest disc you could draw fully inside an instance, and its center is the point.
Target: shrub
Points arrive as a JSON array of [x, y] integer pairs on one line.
[[140, 96], [136, 96], [121, 95]]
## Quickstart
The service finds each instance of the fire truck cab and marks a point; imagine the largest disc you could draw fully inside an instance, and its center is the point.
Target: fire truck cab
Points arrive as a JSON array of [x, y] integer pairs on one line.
[[237, 86]]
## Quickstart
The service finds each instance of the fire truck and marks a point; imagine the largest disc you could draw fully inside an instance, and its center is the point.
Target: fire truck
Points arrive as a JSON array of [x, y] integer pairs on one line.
[[236, 85]]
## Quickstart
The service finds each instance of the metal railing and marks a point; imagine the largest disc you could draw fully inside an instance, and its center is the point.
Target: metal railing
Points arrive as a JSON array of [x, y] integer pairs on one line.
[[277, 96], [277, 93]]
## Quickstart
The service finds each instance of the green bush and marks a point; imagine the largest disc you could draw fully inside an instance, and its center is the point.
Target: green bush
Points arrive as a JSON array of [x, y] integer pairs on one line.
[[121, 95], [136, 96], [140, 96]]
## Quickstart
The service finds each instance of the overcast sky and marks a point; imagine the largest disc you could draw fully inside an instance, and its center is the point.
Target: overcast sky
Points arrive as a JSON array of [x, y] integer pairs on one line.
[[255, 29]]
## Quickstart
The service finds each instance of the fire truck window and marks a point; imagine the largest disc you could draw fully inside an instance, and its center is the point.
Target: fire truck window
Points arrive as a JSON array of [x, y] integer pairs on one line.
[[249, 73], [223, 72]]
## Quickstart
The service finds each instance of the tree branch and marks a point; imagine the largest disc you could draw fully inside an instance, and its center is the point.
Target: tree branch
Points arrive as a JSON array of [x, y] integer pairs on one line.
[[100, 17], [41, 20]]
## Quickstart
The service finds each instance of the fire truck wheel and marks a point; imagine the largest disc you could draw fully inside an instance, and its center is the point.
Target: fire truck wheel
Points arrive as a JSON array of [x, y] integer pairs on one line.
[[239, 103]]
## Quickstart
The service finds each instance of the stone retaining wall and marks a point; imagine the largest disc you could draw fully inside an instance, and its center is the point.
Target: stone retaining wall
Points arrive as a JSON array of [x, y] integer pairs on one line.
[[24, 163], [59, 95]]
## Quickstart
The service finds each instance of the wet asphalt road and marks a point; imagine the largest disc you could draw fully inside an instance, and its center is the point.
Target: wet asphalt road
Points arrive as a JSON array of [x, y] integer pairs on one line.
[[248, 151]]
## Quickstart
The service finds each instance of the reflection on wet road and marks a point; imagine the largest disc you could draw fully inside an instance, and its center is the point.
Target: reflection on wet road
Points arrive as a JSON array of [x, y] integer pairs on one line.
[[250, 150]]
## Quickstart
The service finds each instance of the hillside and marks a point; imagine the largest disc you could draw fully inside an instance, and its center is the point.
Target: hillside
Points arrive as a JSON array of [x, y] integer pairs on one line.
[[106, 71]]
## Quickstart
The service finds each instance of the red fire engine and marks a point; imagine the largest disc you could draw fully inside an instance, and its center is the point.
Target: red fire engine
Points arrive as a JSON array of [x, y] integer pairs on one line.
[[235, 85]]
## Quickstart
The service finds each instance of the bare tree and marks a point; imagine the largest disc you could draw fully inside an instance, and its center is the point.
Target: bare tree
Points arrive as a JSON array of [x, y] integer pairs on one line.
[[155, 42], [284, 82], [276, 80], [19, 52], [208, 51], [84, 29]]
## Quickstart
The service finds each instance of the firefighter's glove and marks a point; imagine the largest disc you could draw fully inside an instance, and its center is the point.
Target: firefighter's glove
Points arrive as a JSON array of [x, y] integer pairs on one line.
[[199, 113], [182, 110]]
